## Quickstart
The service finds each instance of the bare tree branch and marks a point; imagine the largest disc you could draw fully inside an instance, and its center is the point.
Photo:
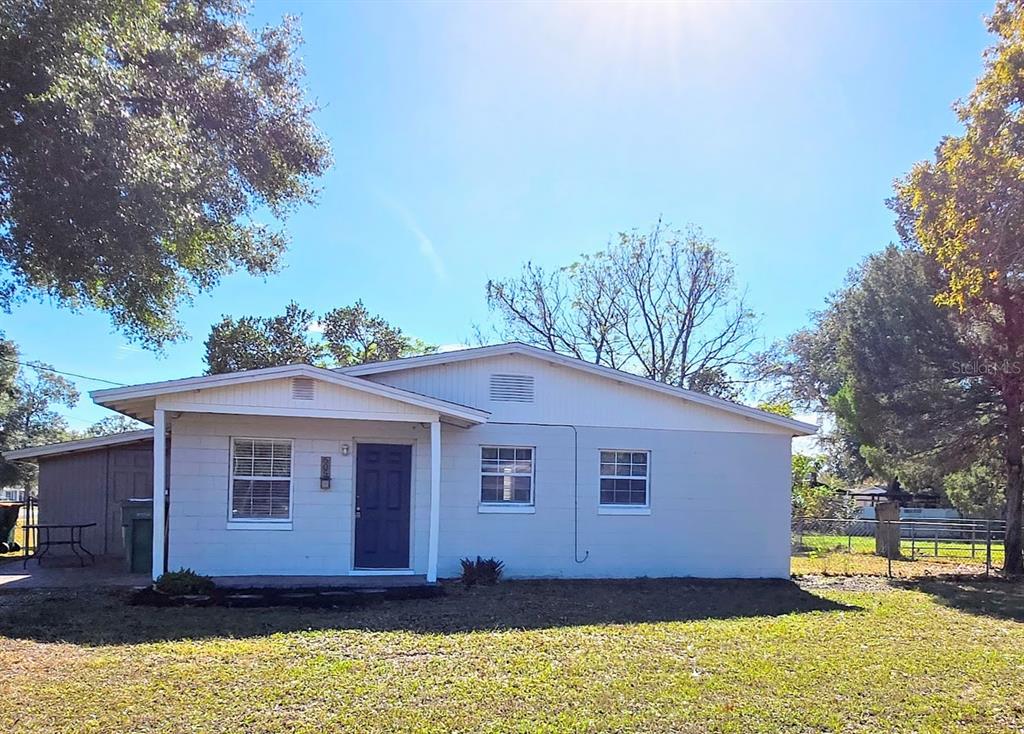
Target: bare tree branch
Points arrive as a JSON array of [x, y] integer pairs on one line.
[[662, 304]]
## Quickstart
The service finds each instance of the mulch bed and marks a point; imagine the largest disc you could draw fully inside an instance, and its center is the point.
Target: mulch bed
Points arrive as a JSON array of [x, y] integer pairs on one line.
[[316, 597]]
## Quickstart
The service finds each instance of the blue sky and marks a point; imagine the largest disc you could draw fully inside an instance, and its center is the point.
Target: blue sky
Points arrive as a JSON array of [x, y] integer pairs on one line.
[[469, 138]]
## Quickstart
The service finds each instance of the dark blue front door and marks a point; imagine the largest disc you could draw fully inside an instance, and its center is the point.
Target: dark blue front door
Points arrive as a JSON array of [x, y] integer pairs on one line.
[[383, 484]]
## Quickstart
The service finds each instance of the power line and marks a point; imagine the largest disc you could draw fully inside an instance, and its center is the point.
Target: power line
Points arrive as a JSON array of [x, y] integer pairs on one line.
[[61, 372]]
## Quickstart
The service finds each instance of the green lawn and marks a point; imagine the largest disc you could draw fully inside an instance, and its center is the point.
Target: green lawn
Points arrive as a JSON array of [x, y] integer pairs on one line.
[[957, 550], [854, 555], [660, 656]]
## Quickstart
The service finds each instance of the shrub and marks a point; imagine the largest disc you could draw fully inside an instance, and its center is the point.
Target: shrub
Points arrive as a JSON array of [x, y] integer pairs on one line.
[[184, 581], [481, 571]]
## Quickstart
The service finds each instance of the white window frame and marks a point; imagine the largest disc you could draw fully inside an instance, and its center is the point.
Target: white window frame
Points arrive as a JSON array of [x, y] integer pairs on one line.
[[624, 509], [279, 523], [512, 507]]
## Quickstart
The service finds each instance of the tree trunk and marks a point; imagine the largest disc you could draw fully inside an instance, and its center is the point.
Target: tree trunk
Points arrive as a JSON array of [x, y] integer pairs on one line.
[[1012, 389], [1013, 562]]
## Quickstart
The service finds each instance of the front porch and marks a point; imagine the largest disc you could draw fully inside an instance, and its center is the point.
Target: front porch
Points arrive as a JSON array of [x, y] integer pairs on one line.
[[295, 476], [109, 572]]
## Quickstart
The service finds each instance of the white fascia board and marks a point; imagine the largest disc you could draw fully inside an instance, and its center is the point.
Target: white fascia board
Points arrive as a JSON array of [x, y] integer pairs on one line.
[[82, 444]]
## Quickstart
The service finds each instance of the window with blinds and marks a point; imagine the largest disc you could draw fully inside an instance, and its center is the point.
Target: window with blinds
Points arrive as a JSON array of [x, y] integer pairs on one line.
[[261, 479]]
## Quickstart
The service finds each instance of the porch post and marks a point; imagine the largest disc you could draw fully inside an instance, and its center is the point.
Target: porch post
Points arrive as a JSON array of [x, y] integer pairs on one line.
[[159, 479], [435, 500]]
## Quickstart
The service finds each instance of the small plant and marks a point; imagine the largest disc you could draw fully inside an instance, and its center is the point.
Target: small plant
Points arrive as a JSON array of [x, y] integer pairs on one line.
[[184, 582], [486, 571]]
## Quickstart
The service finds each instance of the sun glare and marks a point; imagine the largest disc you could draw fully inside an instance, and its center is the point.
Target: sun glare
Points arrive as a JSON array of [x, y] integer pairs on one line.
[[669, 37]]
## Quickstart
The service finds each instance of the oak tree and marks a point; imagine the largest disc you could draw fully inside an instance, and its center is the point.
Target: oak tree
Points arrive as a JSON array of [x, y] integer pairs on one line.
[[255, 342], [30, 396], [344, 336], [965, 210], [138, 143]]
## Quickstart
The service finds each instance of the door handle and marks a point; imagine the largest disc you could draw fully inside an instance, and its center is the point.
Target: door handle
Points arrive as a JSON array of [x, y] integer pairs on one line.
[[359, 513]]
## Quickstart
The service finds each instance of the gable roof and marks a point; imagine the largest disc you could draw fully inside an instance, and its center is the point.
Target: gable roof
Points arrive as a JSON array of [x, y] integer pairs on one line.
[[81, 444], [799, 428], [133, 394]]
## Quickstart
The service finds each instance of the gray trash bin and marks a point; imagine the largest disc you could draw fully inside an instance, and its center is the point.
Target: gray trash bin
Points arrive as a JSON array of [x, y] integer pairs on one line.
[[137, 533]]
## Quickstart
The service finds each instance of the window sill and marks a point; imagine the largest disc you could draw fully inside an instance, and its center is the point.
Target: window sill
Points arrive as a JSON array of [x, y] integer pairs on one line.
[[506, 509], [623, 510], [259, 525]]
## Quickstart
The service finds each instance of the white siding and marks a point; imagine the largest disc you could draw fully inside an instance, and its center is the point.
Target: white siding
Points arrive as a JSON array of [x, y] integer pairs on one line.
[[719, 505], [719, 502], [564, 395], [718, 494], [277, 394], [320, 539]]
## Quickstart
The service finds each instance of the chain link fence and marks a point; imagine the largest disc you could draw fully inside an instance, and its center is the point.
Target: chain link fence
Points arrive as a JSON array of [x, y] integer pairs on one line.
[[842, 545]]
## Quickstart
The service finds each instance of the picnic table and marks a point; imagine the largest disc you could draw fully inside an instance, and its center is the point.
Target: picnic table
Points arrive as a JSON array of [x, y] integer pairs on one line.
[[69, 534]]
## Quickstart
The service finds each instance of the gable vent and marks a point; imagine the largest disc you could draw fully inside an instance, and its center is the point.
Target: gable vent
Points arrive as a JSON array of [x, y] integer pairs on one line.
[[303, 388], [512, 388]]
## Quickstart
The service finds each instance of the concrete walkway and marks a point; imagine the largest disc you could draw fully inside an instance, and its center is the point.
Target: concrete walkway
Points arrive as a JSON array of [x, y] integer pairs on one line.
[[63, 572], [58, 572]]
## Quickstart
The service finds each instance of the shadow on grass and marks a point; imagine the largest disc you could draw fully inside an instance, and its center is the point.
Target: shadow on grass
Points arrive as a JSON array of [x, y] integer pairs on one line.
[[104, 618], [998, 598]]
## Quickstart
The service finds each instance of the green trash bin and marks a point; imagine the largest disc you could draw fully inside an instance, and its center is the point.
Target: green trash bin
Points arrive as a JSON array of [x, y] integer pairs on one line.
[[137, 532], [8, 520]]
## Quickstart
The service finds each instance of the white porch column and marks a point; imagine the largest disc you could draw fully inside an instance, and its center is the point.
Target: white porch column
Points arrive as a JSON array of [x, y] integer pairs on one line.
[[435, 500], [159, 480]]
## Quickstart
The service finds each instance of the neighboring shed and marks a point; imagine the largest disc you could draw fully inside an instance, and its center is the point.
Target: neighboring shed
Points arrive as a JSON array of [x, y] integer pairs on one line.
[[85, 481]]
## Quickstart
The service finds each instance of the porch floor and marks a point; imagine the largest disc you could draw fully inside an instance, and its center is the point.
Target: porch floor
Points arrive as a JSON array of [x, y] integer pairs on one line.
[[319, 582], [63, 572]]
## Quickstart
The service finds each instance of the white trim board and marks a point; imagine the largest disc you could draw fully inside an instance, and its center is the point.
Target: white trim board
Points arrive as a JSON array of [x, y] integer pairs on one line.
[[82, 444]]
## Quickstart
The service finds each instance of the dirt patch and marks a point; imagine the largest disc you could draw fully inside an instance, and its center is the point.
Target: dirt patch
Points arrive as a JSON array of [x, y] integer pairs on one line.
[[845, 583]]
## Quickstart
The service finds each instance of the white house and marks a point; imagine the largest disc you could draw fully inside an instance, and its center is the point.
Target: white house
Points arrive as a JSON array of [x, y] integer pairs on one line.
[[555, 466]]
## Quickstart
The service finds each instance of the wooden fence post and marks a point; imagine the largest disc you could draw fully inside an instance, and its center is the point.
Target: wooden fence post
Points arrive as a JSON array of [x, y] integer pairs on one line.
[[887, 532]]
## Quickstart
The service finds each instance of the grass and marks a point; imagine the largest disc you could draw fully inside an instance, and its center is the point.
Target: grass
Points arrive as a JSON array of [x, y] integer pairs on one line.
[[854, 555], [855, 655], [950, 549]]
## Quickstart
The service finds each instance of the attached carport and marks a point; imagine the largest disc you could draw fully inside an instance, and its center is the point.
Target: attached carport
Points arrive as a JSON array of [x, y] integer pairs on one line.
[[86, 481]]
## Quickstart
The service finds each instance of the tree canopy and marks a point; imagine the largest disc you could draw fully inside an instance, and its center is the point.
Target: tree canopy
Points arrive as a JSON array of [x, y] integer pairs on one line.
[[343, 336], [965, 210], [882, 359], [138, 140], [109, 426], [663, 304], [921, 357], [28, 416], [254, 342], [352, 335]]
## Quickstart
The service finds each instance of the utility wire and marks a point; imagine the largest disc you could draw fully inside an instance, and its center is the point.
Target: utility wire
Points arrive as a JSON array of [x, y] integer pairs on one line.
[[61, 372]]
